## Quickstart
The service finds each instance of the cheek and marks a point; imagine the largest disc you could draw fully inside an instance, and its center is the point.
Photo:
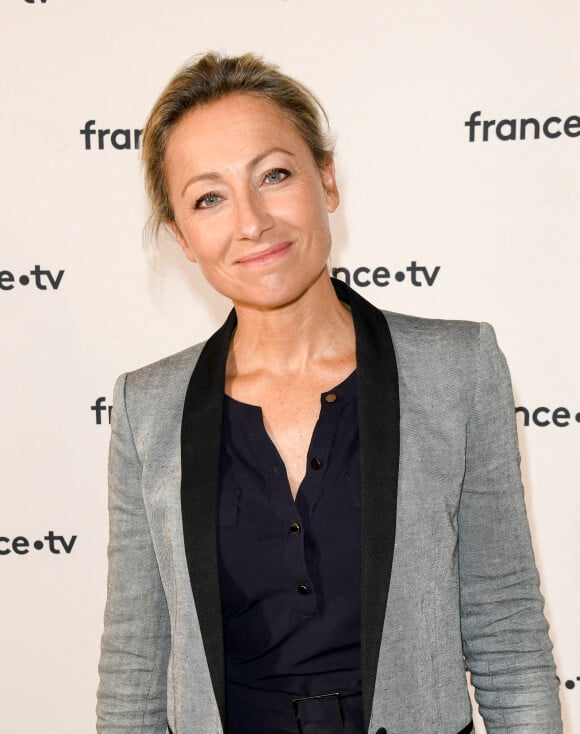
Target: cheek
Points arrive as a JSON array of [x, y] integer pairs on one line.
[[306, 209], [205, 236]]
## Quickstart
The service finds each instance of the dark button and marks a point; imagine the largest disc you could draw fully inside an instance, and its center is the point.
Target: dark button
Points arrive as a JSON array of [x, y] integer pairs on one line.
[[303, 589], [382, 730], [315, 464], [330, 398], [295, 528]]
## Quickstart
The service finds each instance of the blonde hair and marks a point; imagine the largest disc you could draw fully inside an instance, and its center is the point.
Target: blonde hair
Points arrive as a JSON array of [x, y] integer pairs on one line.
[[212, 77]]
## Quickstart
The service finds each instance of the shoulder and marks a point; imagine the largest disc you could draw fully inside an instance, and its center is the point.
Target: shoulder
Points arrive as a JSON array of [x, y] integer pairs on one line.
[[160, 385], [168, 371], [444, 347], [404, 327], [455, 334]]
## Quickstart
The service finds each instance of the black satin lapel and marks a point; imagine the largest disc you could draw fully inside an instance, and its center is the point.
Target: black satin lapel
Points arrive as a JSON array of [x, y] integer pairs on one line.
[[200, 453], [378, 410]]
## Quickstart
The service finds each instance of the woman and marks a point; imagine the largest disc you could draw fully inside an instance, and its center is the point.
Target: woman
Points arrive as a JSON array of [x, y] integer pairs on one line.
[[317, 520]]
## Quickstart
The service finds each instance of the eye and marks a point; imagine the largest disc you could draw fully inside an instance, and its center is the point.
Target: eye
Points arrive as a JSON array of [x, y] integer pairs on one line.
[[276, 175], [207, 200]]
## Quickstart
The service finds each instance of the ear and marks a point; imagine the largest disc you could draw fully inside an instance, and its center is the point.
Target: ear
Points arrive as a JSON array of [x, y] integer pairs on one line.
[[328, 177], [187, 251]]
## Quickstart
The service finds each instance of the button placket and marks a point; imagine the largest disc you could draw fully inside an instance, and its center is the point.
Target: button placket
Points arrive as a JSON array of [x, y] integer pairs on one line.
[[319, 450], [286, 510], [304, 590], [322, 439]]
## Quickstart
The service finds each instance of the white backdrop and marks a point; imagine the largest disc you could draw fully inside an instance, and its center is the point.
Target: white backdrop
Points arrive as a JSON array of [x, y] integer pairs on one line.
[[494, 222]]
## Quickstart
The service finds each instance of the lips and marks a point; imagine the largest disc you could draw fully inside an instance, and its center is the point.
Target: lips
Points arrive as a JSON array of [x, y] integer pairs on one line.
[[265, 256]]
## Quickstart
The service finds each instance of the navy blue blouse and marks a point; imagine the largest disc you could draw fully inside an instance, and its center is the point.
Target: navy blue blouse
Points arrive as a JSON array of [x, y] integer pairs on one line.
[[290, 574]]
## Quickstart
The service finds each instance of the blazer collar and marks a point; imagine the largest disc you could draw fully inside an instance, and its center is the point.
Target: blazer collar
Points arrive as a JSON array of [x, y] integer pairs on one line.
[[378, 410]]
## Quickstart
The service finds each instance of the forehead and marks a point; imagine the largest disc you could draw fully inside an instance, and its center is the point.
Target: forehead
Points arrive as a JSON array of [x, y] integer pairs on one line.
[[230, 130]]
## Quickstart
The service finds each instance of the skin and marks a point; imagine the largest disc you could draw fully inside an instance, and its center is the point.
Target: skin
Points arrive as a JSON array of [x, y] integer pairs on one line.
[[251, 207]]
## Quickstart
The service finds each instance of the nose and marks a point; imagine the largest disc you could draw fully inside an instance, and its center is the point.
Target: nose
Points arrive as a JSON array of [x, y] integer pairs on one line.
[[252, 216]]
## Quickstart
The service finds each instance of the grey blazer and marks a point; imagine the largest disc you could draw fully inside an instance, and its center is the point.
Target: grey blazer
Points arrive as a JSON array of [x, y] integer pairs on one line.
[[448, 575]]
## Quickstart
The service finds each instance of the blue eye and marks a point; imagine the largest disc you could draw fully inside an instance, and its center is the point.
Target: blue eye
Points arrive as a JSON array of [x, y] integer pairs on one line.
[[207, 201], [276, 175]]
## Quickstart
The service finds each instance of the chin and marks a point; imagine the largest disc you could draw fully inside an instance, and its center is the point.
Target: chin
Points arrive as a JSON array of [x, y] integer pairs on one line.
[[272, 293], [270, 290], [266, 300]]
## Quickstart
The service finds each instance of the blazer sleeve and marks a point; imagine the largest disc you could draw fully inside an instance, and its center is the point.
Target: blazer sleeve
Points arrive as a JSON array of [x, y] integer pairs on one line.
[[504, 632], [135, 643]]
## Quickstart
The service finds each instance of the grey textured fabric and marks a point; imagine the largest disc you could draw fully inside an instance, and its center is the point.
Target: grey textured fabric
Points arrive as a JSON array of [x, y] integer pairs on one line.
[[463, 589]]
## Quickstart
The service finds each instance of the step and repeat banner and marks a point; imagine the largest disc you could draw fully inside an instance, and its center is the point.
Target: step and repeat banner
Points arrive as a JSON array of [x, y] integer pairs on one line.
[[457, 131]]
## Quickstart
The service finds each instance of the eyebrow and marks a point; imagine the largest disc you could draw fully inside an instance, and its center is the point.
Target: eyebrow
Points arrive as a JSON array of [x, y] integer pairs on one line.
[[214, 176]]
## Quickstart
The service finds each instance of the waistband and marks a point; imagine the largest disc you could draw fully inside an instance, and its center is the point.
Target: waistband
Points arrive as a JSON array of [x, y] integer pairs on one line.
[[253, 711]]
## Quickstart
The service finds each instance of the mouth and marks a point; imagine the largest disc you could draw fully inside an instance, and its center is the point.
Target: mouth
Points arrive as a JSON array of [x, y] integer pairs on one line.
[[265, 256]]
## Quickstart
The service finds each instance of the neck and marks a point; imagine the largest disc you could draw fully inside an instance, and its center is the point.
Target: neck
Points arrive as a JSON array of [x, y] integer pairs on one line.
[[292, 338]]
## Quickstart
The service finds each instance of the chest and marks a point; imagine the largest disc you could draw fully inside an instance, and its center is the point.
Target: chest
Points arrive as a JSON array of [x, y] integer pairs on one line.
[[290, 422], [290, 410]]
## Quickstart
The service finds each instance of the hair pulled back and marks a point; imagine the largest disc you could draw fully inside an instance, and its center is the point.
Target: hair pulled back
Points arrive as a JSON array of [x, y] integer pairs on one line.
[[207, 79]]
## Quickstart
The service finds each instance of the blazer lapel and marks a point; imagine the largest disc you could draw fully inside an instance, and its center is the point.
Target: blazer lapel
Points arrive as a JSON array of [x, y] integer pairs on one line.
[[378, 410], [200, 454]]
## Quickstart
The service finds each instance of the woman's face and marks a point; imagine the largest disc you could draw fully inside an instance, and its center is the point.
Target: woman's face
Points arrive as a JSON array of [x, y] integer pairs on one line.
[[250, 204]]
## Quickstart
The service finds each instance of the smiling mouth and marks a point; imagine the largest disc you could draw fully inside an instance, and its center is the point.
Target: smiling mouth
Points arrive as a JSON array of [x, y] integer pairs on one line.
[[265, 256]]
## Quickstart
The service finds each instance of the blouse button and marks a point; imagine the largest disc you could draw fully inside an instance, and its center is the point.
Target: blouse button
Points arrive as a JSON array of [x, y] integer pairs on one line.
[[303, 589], [295, 528], [330, 398], [315, 464]]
